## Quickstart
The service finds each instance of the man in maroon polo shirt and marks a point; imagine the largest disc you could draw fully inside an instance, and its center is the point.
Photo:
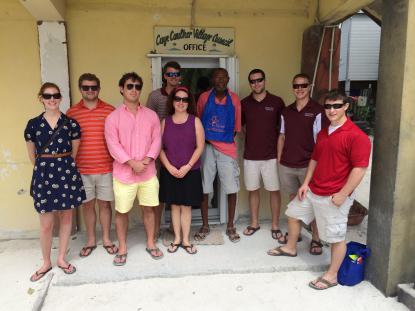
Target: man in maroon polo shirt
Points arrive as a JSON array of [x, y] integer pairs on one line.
[[337, 166], [261, 114], [300, 124]]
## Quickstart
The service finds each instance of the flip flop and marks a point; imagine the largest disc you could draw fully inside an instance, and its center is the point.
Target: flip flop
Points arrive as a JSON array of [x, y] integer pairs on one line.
[[202, 234], [39, 275], [300, 238], [233, 236], [87, 250], [122, 260], [276, 234], [272, 252], [328, 284], [65, 269], [151, 250], [188, 249], [175, 247], [111, 249], [316, 244], [252, 230]]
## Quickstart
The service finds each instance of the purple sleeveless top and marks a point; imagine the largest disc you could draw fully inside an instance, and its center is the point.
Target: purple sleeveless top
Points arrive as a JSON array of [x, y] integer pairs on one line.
[[179, 141]]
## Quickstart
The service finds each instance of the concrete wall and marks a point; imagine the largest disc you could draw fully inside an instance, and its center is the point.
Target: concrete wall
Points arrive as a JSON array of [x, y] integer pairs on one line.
[[112, 37]]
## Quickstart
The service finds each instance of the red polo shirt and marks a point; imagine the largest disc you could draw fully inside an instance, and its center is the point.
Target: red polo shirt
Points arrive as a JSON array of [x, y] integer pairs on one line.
[[93, 156], [336, 155]]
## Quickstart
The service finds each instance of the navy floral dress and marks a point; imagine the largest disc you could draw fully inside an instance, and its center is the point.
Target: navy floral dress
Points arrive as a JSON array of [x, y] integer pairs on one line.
[[56, 182]]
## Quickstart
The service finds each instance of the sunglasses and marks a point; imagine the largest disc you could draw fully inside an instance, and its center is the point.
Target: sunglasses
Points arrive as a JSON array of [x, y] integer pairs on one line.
[[49, 96], [334, 106], [130, 86], [89, 88], [181, 99], [301, 85], [259, 80], [173, 74]]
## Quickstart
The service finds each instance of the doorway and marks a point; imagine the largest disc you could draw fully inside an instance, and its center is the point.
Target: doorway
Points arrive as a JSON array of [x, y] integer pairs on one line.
[[196, 73]]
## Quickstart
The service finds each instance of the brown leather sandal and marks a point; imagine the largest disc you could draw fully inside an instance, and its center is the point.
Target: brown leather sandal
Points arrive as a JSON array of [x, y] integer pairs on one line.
[[233, 236]]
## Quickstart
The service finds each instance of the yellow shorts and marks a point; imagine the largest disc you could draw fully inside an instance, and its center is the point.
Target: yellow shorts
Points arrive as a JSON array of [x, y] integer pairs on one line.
[[147, 193]]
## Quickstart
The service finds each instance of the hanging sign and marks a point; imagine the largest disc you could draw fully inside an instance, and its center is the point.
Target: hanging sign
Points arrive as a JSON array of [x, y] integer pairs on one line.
[[197, 40]]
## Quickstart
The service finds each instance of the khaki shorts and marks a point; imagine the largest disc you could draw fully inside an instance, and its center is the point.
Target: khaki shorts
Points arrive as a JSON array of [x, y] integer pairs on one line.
[[98, 186], [147, 193], [227, 168], [291, 178], [331, 220], [266, 170]]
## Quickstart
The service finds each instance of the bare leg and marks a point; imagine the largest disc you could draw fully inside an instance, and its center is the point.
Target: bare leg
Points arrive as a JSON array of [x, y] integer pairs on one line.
[[294, 228], [314, 231], [186, 220], [121, 226], [231, 209], [176, 220], [338, 251], [254, 207], [204, 210], [65, 226], [46, 229], [90, 217], [105, 214], [149, 227], [275, 204], [158, 211]]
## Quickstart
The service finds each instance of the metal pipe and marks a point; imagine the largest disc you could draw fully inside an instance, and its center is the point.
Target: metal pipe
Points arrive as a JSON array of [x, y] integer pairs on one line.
[[331, 56], [317, 61]]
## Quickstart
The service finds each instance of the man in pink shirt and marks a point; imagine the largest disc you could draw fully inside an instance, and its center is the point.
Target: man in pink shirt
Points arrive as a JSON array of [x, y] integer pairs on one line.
[[132, 132], [220, 112]]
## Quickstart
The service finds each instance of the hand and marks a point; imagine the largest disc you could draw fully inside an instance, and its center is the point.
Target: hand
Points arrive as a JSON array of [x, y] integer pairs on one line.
[[338, 198], [302, 191], [173, 171], [184, 170], [137, 166]]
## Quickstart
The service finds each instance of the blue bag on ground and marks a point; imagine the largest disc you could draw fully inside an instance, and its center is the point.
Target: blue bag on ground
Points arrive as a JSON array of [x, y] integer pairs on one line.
[[352, 270]]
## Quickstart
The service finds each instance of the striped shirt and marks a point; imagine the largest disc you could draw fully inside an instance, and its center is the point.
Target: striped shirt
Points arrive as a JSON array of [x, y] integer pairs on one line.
[[93, 156], [157, 101]]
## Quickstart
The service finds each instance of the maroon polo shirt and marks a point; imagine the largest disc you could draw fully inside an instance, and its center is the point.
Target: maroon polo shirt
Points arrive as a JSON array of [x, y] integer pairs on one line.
[[262, 121], [299, 139], [336, 155]]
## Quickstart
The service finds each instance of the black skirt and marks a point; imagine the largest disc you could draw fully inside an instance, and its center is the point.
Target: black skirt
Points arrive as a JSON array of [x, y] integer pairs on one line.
[[181, 191]]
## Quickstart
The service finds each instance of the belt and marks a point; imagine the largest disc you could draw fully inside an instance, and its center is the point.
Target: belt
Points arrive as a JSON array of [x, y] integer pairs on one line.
[[56, 155]]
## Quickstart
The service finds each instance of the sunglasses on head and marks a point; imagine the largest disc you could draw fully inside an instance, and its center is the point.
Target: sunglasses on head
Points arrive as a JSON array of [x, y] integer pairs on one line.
[[334, 106], [137, 86], [173, 74], [89, 88], [179, 99], [300, 85], [49, 96], [259, 80]]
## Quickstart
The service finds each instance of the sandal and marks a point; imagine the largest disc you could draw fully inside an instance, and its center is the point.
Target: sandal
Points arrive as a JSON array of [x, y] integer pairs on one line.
[[327, 283], [278, 251], [87, 250], [122, 260], [233, 236], [316, 245], [111, 249], [202, 233], [189, 249], [38, 275], [276, 234], [68, 270], [173, 247], [151, 252], [300, 238], [251, 230]]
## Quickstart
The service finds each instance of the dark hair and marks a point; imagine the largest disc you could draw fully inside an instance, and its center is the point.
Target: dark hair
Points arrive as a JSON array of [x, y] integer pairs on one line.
[[171, 64], [88, 77], [191, 109], [302, 75], [47, 85], [256, 70], [336, 94], [130, 75], [215, 71]]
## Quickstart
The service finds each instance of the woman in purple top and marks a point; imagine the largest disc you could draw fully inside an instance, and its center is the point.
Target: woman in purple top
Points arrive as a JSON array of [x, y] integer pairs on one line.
[[183, 140]]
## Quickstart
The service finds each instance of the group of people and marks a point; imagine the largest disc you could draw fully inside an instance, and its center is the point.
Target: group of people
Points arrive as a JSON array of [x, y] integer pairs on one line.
[[171, 150]]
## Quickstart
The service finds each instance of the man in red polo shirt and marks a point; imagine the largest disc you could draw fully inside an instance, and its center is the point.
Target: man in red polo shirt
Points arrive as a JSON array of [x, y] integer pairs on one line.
[[337, 166], [300, 123], [94, 162]]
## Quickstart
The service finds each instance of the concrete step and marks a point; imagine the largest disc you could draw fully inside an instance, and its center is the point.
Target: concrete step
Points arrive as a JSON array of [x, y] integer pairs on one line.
[[406, 295]]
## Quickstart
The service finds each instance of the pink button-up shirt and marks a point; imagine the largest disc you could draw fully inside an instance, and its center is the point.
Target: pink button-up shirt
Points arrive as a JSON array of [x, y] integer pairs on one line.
[[132, 137]]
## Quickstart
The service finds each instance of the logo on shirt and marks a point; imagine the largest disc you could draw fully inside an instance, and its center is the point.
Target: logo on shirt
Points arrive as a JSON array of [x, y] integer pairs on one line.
[[269, 108], [309, 114]]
